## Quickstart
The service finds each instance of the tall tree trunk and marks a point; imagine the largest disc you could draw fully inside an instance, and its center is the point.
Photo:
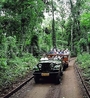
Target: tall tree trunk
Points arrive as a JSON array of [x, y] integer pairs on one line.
[[72, 24], [72, 37], [53, 28], [75, 28]]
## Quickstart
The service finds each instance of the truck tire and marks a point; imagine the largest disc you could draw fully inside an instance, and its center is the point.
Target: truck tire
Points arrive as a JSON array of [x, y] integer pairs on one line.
[[36, 79], [58, 79], [61, 73]]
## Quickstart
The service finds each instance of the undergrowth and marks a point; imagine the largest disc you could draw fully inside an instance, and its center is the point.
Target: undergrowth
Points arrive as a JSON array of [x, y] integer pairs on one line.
[[83, 61], [14, 62], [11, 69]]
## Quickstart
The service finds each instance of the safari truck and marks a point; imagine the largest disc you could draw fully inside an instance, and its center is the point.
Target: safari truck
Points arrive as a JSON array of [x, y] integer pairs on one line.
[[65, 61], [48, 68], [61, 57]]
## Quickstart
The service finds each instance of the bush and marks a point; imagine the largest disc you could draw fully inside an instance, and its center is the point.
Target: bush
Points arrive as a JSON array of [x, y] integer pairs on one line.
[[84, 63], [73, 54], [11, 69]]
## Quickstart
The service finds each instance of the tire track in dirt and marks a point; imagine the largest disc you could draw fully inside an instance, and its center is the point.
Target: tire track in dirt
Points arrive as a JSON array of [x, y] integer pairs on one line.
[[39, 91], [70, 87]]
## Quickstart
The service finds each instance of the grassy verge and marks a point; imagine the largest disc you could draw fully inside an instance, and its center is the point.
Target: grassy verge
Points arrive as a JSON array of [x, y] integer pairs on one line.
[[84, 63], [11, 69]]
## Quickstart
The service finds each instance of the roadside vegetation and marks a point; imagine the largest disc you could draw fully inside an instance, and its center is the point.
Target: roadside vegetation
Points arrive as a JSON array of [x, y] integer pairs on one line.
[[13, 69], [83, 62], [13, 63]]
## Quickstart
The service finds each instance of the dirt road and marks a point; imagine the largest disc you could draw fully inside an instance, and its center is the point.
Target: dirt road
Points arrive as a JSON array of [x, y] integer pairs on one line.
[[68, 88]]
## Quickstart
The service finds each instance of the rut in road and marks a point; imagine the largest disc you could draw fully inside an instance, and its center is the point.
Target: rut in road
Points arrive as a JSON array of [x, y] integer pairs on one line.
[[39, 91], [70, 87]]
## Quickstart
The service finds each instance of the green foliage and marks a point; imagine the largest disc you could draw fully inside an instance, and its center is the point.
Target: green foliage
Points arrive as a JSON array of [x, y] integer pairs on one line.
[[84, 63], [45, 43], [73, 54], [83, 41], [9, 48], [15, 68], [85, 20], [88, 37], [18, 24], [21, 19], [11, 64], [3, 64]]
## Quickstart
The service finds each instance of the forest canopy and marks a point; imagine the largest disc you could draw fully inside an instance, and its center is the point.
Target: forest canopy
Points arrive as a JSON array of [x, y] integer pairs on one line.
[[24, 21]]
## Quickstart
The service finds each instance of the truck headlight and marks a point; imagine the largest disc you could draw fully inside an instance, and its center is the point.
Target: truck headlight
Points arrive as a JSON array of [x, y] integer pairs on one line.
[[35, 68], [57, 67]]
